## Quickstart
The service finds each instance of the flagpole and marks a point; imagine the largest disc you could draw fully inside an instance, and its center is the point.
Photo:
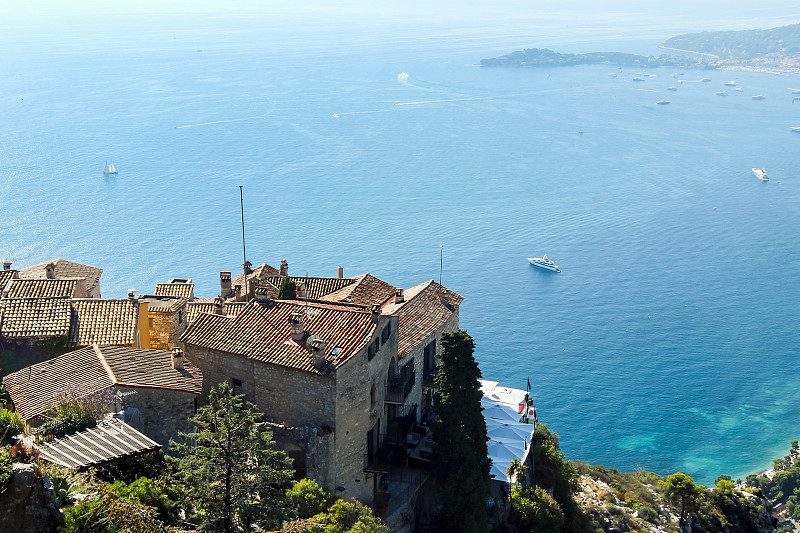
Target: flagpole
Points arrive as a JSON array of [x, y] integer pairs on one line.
[[244, 249], [441, 261]]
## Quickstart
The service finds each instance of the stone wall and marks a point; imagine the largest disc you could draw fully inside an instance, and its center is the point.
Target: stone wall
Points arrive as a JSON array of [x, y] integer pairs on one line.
[[355, 415], [166, 328], [29, 503], [164, 412], [310, 448], [416, 396]]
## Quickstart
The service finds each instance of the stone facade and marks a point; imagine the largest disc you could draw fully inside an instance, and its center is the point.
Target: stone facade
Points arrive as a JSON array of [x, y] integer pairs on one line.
[[166, 327], [164, 412]]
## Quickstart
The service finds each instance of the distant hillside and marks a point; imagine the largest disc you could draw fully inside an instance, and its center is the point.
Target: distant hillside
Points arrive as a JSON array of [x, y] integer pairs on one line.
[[543, 57], [745, 44]]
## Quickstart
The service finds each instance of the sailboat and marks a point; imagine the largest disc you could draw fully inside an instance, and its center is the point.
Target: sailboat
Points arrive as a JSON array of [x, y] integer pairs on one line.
[[110, 170]]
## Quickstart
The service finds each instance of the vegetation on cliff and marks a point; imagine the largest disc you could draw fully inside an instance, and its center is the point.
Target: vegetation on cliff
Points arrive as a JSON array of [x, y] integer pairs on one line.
[[543, 57], [743, 44]]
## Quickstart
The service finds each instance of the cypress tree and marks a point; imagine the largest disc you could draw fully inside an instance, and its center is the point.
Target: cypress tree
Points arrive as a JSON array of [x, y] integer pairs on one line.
[[287, 290], [460, 463]]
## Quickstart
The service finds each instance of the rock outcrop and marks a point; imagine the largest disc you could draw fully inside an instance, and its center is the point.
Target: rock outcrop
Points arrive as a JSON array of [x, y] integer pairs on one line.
[[29, 503]]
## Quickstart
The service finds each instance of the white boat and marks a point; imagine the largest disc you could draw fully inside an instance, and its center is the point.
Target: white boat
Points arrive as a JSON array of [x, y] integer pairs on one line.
[[638, 79], [110, 170], [705, 80], [722, 93], [544, 262], [759, 97], [731, 84], [662, 102], [739, 89], [613, 74], [761, 174], [672, 88], [794, 91], [795, 128]]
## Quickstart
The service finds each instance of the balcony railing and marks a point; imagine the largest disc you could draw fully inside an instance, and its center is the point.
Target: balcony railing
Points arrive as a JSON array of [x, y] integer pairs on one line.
[[399, 386]]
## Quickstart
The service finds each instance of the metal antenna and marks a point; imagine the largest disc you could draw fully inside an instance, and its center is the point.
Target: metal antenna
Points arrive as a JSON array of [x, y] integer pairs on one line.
[[441, 261], [244, 250]]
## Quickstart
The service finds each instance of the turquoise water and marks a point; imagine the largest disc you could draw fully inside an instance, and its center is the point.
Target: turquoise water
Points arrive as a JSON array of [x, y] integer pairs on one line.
[[668, 341]]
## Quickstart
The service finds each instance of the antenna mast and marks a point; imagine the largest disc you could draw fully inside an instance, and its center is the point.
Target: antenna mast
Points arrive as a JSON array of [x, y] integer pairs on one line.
[[441, 261], [244, 249]]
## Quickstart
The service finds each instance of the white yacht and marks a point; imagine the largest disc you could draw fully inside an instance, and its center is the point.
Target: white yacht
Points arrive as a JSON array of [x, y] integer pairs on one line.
[[544, 262], [795, 129], [731, 84], [662, 102], [761, 174], [722, 93], [672, 88], [759, 97]]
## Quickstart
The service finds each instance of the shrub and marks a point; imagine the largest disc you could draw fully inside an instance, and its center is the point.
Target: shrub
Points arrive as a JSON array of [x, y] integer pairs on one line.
[[11, 424], [535, 510], [648, 514], [309, 499], [6, 471]]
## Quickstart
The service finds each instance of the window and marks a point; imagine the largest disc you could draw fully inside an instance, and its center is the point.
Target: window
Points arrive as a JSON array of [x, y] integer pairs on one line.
[[237, 387], [180, 317], [372, 350], [387, 332], [372, 396]]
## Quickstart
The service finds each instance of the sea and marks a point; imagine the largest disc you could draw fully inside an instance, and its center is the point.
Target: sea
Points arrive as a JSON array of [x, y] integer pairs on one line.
[[669, 340]]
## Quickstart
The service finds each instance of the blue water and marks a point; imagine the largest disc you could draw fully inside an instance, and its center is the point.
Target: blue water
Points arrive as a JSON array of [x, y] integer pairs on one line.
[[669, 340]]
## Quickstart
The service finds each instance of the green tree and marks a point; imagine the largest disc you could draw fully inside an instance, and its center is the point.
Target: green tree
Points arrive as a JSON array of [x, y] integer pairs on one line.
[[679, 489], [351, 517], [534, 510], [516, 471], [287, 290], [461, 463], [309, 499], [231, 474]]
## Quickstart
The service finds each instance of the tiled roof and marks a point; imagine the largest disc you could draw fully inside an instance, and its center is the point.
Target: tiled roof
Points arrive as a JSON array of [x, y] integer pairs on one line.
[[185, 290], [5, 276], [103, 322], [34, 317], [260, 272], [65, 269], [35, 389], [365, 290], [315, 288], [163, 304], [421, 314], [262, 332], [108, 441], [41, 288], [232, 309], [200, 305]]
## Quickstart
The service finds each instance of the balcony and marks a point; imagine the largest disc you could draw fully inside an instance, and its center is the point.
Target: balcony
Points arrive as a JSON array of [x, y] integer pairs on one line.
[[379, 461], [399, 386]]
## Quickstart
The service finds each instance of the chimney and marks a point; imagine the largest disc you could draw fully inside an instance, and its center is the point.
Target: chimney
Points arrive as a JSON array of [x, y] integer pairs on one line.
[[6, 264], [317, 347], [284, 267], [444, 296], [398, 296], [248, 267], [225, 284], [177, 358], [50, 271], [376, 312], [301, 290], [298, 326], [218, 302], [339, 272], [131, 294]]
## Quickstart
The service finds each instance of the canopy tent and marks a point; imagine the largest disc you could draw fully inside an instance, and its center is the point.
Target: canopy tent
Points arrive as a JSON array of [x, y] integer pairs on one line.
[[508, 437]]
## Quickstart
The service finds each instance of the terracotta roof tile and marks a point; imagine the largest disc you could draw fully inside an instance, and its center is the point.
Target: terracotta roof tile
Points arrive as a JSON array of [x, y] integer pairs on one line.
[[34, 317], [232, 309], [185, 290], [315, 288], [163, 304], [103, 322], [110, 440], [260, 272], [65, 269], [41, 288], [6, 276], [421, 314], [262, 332], [36, 389], [365, 290], [200, 305]]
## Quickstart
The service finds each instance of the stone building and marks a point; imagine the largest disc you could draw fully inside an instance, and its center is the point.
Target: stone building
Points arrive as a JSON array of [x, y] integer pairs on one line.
[[167, 319], [317, 370], [159, 385], [343, 423], [63, 269]]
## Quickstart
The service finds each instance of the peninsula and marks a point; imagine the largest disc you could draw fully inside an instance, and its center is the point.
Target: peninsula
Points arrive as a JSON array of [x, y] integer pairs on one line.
[[775, 50]]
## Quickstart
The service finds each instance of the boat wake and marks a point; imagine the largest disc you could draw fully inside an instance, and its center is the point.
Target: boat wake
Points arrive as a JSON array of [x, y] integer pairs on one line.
[[218, 122]]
